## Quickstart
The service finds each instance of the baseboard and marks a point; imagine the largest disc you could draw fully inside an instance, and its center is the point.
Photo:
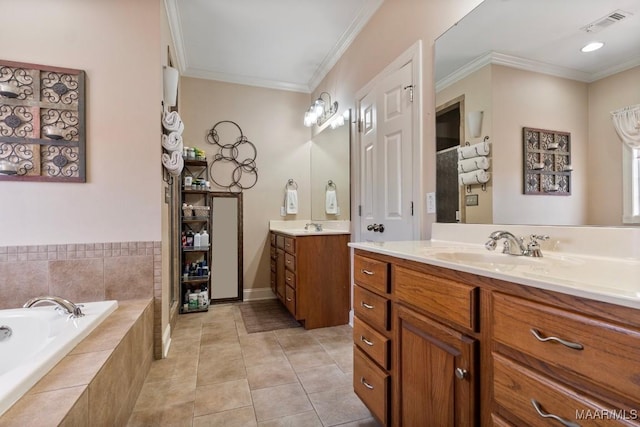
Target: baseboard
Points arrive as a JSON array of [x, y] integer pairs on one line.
[[257, 294], [166, 341]]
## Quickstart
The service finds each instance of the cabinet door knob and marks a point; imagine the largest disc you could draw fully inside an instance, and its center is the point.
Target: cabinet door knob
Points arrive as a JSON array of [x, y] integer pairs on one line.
[[572, 345], [365, 305], [461, 373], [543, 414]]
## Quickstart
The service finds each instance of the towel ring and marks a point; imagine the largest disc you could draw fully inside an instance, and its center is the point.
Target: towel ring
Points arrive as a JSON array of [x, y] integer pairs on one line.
[[291, 183], [330, 185]]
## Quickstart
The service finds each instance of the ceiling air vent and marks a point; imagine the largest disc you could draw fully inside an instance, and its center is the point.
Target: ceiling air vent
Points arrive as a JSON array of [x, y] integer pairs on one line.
[[604, 22]]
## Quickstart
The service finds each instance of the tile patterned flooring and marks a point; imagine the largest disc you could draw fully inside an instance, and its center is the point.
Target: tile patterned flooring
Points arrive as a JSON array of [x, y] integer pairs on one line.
[[218, 375]]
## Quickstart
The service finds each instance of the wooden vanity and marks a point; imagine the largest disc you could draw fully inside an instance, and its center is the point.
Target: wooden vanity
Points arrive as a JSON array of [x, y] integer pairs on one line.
[[310, 276], [435, 346]]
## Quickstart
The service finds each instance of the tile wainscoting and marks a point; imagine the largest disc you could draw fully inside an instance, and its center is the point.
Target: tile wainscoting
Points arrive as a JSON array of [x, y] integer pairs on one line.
[[84, 272]]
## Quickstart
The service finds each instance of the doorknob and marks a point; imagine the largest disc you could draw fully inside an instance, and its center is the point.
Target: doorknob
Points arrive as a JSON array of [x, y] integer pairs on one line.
[[376, 228], [371, 227], [381, 228]]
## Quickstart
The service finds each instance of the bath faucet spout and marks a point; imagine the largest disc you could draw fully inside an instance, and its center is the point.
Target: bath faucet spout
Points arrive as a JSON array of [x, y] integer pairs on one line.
[[67, 306], [512, 244], [318, 226]]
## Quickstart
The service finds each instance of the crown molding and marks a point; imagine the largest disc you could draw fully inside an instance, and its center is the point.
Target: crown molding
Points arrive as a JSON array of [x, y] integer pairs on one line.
[[173, 15], [245, 80]]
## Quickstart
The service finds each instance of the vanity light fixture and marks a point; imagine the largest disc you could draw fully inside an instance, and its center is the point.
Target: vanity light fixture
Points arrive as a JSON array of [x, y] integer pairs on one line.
[[320, 111], [591, 47], [474, 122]]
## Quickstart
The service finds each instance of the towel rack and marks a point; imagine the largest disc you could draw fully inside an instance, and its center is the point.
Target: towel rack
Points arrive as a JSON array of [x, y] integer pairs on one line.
[[291, 184], [330, 185]]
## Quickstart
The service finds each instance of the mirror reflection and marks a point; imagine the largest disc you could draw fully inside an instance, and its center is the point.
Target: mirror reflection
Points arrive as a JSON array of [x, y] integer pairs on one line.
[[330, 170], [519, 63]]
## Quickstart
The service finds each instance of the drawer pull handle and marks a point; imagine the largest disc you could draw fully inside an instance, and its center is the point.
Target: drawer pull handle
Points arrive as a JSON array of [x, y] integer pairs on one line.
[[573, 345], [289, 299], [366, 341], [365, 305], [461, 373], [543, 414], [367, 272], [365, 383]]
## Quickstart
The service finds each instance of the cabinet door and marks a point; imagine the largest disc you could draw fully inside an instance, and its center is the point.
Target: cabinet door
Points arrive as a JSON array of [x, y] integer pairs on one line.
[[436, 373], [280, 279]]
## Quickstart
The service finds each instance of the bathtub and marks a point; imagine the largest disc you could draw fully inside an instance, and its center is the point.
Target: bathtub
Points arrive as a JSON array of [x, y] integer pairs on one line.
[[40, 337]]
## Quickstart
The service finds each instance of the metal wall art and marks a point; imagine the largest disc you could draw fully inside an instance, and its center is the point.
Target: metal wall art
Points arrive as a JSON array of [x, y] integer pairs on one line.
[[547, 162], [42, 123], [237, 159]]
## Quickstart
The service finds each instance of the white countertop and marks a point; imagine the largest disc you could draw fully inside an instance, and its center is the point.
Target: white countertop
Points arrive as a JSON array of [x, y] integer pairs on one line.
[[612, 280], [297, 227]]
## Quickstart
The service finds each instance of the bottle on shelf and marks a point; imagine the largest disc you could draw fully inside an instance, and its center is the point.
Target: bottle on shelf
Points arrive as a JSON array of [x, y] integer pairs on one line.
[[197, 240], [204, 238], [189, 239]]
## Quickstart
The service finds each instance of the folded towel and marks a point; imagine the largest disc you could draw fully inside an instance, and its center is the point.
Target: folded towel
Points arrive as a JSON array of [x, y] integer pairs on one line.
[[475, 150], [172, 142], [291, 201], [331, 202], [172, 122], [468, 165], [173, 162], [476, 177]]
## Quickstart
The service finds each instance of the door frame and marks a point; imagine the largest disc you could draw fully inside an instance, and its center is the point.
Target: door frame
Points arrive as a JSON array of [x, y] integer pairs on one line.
[[414, 55]]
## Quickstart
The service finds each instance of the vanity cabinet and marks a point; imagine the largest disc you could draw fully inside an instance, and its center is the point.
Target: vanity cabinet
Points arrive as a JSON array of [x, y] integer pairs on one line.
[[310, 276], [469, 350]]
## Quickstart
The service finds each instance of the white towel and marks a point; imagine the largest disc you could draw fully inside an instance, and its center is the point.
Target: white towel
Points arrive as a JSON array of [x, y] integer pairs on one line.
[[173, 162], [172, 142], [475, 150], [331, 202], [172, 122], [468, 165], [291, 202], [476, 177]]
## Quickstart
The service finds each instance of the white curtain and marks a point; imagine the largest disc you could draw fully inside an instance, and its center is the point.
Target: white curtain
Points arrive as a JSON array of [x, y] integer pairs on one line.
[[627, 123]]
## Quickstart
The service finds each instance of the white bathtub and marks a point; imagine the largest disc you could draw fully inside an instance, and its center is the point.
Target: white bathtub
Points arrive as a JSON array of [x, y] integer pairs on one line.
[[41, 336]]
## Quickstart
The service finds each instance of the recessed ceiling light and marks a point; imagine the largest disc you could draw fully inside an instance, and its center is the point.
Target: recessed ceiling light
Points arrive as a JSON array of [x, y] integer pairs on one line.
[[592, 46]]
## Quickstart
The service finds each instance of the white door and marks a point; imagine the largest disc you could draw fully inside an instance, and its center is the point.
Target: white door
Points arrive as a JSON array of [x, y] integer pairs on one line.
[[386, 158]]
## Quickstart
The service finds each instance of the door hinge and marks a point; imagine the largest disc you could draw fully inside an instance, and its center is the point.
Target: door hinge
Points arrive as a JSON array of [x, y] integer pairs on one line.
[[411, 208], [359, 210], [360, 125], [410, 87]]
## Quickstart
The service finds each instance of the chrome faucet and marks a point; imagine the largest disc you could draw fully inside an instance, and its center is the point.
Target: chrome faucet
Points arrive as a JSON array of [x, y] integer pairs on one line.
[[515, 245], [318, 226], [67, 306]]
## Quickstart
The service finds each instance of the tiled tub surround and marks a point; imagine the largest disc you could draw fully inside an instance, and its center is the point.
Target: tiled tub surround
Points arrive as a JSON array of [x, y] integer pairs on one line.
[[79, 272], [98, 382]]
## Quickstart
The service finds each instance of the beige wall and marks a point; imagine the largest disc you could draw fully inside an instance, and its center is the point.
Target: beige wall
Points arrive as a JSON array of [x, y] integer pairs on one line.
[[605, 147], [476, 89], [526, 99], [395, 27], [117, 43], [272, 121]]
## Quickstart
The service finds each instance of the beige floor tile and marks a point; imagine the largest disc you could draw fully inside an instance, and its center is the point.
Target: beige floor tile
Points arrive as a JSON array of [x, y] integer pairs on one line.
[[324, 378], [280, 401], [368, 422], [298, 343], [334, 331], [222, 397], [344, 359], [336, 343], [335, 407], [304, 360], [306, 419], [240, 417], [262, 356], [215, 370], [221, 351], [165, 393], [179, 415], [291, 331], [270, 375]]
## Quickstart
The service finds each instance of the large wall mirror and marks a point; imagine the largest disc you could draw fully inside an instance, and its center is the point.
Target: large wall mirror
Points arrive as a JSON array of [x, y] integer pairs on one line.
[[520, 63], [330, 171]]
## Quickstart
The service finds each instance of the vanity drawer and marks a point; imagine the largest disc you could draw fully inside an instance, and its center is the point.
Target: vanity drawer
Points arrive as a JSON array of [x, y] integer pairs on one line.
[[273, 281], [516, 389], [441, 297], [372, 308], [273, 252], [273, 239], [371, 273], [273, 265], [290, 299], [290, 261], [290, 278], [373, 343], [290, 245], [279, 241], [371, 384], [608, 351]]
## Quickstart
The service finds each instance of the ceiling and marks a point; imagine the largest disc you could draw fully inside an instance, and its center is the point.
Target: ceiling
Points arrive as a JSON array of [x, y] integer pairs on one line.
[[541, 35], [281, 44]]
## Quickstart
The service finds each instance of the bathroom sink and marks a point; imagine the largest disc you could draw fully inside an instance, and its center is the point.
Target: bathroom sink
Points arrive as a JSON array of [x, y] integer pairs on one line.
[[302, 231]]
